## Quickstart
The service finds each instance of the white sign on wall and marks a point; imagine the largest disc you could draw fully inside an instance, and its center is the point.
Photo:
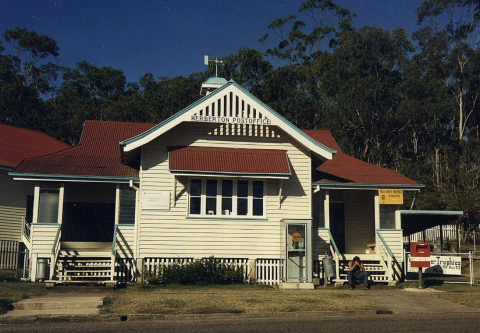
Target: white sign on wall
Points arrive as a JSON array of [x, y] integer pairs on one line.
[[440, 264], [156, 200]]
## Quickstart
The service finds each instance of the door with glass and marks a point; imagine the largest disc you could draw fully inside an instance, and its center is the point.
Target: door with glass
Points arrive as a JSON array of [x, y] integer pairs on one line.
[[298, 265]]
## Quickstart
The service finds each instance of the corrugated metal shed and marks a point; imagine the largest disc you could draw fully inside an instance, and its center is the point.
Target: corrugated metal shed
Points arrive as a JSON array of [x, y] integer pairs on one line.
[[229, 160], [18, 143]]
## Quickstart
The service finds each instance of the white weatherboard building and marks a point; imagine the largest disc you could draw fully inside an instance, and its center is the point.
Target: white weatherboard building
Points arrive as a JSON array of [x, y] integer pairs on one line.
[[226, 177]]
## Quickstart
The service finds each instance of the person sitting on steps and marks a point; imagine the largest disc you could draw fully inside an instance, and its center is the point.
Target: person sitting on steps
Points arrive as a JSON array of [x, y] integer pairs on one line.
[[356, 271]]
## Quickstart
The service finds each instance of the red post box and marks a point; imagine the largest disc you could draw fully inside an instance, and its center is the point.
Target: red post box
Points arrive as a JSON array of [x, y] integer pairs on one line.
[[420, 254]]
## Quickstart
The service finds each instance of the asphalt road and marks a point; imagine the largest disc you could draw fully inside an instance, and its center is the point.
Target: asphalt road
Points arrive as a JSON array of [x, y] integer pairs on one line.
[[469, 322]]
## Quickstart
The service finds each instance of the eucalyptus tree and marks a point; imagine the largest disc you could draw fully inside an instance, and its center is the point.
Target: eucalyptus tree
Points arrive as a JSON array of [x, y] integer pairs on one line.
[[86, 92], [449, 43], [26, 76], [248, 68], [29, 52], [303, 38], [359, 86]]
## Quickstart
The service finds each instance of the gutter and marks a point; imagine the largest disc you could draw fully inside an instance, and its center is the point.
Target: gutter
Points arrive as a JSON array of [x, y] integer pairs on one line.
[[367, 186]]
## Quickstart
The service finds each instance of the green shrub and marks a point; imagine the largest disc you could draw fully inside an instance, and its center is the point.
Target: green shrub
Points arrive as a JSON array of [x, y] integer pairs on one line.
[[10, 275], [202, 272], [5, 305]]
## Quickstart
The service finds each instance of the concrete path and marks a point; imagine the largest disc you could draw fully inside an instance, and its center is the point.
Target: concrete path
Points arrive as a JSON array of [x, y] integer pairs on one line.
[[57, 304], [412, 301]]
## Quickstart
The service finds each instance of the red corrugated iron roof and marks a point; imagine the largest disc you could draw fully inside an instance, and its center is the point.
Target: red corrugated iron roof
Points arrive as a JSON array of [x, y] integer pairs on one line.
[[97, 155], [18, 143], [229, 160], [345, 169], [324, 137]]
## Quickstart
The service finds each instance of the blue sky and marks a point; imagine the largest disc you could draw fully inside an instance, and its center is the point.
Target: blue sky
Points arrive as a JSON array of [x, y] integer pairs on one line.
[[170, 37]]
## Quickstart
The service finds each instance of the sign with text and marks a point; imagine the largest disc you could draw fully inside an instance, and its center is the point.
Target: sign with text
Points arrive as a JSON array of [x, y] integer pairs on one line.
[[446, 265], [390, 197], [155, 200], [231, 120]]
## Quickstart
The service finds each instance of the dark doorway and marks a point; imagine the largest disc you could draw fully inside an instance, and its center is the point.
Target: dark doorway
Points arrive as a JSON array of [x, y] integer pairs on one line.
[[29, 211], [88, 222], [337, 225]]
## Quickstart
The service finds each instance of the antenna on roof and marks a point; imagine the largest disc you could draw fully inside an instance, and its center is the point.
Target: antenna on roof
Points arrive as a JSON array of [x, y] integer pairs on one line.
[[216, 61]]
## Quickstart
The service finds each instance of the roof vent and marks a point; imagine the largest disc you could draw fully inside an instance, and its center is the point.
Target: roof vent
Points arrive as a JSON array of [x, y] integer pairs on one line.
[[214, 82], [211, 84]]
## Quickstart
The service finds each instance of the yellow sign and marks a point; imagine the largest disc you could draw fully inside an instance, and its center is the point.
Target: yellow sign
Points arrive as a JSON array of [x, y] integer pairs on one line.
[[390, 197]]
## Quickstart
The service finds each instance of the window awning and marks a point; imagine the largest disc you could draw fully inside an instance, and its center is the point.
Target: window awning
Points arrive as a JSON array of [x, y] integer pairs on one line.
[[229, 162]]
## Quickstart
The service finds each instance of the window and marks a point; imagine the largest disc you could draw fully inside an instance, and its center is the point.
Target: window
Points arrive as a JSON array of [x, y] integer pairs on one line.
[[387, 216], [127, 205], [226, 197], [195, 196], [48, 206], [242, 197], [257, 198], [211, 193]]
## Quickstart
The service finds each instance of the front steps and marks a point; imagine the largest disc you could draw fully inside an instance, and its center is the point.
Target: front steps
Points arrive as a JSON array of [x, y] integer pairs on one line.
[[378, 273], [89, 263], [374, 265], [58, 304]]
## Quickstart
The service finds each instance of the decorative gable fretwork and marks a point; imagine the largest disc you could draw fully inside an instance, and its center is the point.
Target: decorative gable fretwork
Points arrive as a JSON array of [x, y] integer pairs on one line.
[[230, 109], [238, 113], [236, 118], [245, 130]]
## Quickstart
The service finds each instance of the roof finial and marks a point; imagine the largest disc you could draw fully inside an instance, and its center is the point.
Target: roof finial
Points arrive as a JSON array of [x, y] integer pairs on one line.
[[216, 61]]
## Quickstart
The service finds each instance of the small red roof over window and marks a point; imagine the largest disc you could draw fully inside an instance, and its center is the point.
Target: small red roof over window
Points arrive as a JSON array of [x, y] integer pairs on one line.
[[221, 161]]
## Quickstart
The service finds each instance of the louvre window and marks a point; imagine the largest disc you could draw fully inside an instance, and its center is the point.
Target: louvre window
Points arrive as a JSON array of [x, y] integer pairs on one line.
[[48, 206], [127, 206]]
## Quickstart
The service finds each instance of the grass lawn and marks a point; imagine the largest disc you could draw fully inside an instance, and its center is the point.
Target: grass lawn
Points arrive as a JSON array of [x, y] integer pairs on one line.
[[463, 294], [11, 290], [228, 299]]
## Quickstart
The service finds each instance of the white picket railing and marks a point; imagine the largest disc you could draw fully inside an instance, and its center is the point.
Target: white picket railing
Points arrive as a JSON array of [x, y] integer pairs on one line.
[[269, 271], [153, 266], [26, 229], [125, 270], [9, 251], [432, 234]]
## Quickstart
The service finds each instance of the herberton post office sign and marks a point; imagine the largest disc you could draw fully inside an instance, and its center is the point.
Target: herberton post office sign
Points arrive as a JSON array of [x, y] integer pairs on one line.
[[231, 120]]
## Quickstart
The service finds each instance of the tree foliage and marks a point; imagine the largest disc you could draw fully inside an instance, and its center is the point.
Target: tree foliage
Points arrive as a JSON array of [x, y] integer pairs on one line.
[[449, 43], [303, 38]]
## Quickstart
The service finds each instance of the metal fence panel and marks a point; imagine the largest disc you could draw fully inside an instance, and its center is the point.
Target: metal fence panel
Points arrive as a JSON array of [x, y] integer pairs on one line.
[[445, 262]]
